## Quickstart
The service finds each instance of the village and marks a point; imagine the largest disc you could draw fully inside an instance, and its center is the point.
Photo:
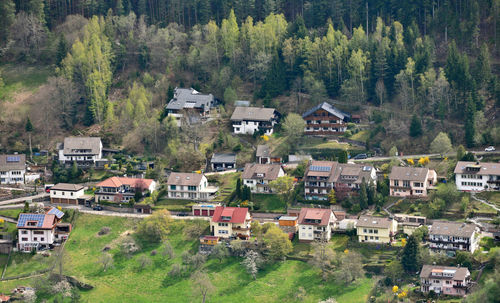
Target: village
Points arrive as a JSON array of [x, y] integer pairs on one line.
[[427, 226]]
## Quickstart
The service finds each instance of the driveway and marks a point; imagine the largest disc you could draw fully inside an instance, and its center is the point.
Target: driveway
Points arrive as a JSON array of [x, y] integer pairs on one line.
[[24, 199]]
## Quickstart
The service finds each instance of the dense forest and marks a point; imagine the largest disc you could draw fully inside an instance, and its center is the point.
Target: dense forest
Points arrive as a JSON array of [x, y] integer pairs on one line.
[[116, 62]]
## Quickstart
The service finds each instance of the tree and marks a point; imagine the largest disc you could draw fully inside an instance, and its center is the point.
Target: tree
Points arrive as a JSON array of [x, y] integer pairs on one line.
[[293, 128], [202, 285], [277, 243], [363, 195], [252, 262], [220, 252], [343, 156], [410, 254], [62, 50], [441, 144], [275, 80], [482, 67], [230, 95], [415, 127], [75, 173], [237, 191], [29, 128], [470, 129], [323, 258], [393, 152], [284, 187], [394, 270], [461, 152], [331, 197], [350, 268], [7, 15], [155, 227], [106, 261], [168, 251]]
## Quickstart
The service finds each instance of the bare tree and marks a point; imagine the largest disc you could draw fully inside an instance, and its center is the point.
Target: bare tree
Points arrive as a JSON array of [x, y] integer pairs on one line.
[[323, 258], [252, 262], [220, 252], [106, 261], [143, 262], [202, 286]]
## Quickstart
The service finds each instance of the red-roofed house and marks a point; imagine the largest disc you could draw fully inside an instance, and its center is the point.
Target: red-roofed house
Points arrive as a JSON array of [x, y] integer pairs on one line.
[[315, 224], [36, 231], [231, 222], [122, 189]]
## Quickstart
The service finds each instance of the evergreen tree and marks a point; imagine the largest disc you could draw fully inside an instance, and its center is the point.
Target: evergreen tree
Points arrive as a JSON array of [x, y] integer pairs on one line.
[[62, 50], [482, 67], [470, 130], [238, 189], [363, 196], [343, 157], [275, 81], [409, 259], [36, 7], [29, 128], [415, 127], [74, 171], [7, 15], [119, 9]]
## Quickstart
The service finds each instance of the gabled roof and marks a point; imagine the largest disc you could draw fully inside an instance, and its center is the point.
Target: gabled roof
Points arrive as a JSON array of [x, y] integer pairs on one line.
[[377, 222], [236, 214], [184, 179], [483, 168], [253, 114], [321, 169], [455, 229], [93, 144], [42, 221], [458, 273], [189, 98], [67, 187], [270, 171], [346, 173], [263, 151], [132, 182], [321, 214], [409, 173], [329, 108], [12, 162], [56, 212], [223, 158]]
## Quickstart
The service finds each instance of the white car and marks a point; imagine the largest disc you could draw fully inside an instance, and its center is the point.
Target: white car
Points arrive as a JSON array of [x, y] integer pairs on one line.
[[489, 149]]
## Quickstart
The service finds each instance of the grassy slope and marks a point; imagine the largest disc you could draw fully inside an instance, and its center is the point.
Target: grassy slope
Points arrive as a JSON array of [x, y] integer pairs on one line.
[[20, 78]]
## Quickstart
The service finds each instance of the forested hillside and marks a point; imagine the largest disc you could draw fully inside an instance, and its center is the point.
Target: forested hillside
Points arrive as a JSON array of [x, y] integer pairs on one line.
[[114, 64]]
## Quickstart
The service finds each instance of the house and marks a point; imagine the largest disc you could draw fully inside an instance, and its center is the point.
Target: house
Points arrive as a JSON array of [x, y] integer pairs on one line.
[[448, 236], [376, 229], [85, 151], [345, 225], [38, 231], [187, 100], [288, 224], [476, 176], [204, 209], [258, 176], [315, 224], [231, 222], [411, 181], [122, 189], [66, 193], [142, 208], [325, 119], [356, 119], [222, 161], [446, 280], [408, 223], [12, 169], [321, 177], [249, 120], [264, 155], [191, 186], [207, 244]]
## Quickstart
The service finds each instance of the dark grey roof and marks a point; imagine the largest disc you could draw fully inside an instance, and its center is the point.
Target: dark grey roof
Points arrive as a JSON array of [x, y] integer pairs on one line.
[[409, 173], [12, 162], [263, 151], [253, 114], [270, 171], [329, 108], [71, 144], [190, 98], [223, 158], [450, 228], [483, 168]]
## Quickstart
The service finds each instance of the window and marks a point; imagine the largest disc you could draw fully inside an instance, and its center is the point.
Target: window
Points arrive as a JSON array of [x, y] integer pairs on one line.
[[24, 239], [72, 194], [364, 230], [406, 183], [375, 231], [376, 238], [35, 239], [63, 193], [396, 182], [24, 232], [38, 232], [192, 188], [223, 232], [172, 187], [42, 239], [223, 224], [371, 237]]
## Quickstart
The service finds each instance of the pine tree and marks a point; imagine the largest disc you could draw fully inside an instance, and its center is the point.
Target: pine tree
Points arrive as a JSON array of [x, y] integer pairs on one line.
[[482, 67], [275, 82], [7, 15], [74, 171], [119, 10], [62, 50], [343, 157], [415, 127], [409, 259], [29, 128], [238, 189], [363, 196], [470, 130], [36, 7]]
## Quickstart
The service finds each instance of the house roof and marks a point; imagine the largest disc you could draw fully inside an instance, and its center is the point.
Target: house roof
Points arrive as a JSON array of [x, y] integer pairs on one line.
[[321, 169], [67, 187], [93, 144], [270, 171], [12, 162], [409, 173], [449, 228], [189, 98], [185, 179], [263, 151], [236, 214], [253, 114], [322, 214], [459, 273], [132, 182], [329, 108], [352, 173], [287, 218], [56, 212], [241, 103], [43, 221], [370, 221], [483, 168], [223, 158]]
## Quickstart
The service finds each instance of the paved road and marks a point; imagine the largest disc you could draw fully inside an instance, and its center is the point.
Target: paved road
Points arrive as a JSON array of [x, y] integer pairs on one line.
[[220, 172], [473, 195], [23, 199]]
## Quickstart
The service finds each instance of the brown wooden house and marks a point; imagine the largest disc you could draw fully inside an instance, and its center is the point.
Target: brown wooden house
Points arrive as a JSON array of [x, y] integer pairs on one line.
[[325, 119]]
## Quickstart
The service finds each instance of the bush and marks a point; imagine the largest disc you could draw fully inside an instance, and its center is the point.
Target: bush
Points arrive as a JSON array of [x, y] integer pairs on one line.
[[104, 231]]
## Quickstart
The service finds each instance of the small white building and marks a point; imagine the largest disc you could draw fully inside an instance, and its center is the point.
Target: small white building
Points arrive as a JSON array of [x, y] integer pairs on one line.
[[476, 176], [248, 120], [12, 169], [258, 176], [37, 231], [66, 193], [191, 186], [85, 151], [315, 224]]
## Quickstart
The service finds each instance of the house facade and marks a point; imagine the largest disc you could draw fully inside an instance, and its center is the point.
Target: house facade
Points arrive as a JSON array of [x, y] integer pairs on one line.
[[315, 224], [204, 209], [66, 193], [12, 169], [446, 280], [376, 229], [448, 237], [476, 176], [85, 151], [191, 102], [231, 222], [258, 176], [190, 186], [325, 119], [39, 231], [249, 120], [122, 189], [411, 181], [221, 161], [408, 223], [264, 155]]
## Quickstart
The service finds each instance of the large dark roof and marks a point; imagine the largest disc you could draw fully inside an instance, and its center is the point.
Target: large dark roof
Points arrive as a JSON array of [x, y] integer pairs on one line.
[[71, 145], [190, 98], [223, 158], [329, 108], [12, 162], [253, 114]]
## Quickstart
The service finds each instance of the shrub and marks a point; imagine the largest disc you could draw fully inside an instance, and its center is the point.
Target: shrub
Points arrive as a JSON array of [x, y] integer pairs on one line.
[[104, 231]]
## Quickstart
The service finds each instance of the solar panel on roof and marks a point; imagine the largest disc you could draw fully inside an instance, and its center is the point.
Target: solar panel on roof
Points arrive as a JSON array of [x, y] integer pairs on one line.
[[320, 168], [13, 158], [54, 211], [23, 218]]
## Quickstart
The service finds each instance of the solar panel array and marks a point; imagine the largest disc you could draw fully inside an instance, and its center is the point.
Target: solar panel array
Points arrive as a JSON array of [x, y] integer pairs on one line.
[[13, 158], [23, 218], [320, 168], [54, 211]]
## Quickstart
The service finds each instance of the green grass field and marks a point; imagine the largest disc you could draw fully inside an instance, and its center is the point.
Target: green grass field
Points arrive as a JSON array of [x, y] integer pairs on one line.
[[490, 196], [174, 205], [11, 213], [20, 78], [268, 203]]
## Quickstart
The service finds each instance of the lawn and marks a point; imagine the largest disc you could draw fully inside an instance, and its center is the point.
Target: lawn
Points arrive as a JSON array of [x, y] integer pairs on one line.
[[268, 203], [174, 205], [361, 136], [19, 78], [490, 196], [226, 183], [11, 213]]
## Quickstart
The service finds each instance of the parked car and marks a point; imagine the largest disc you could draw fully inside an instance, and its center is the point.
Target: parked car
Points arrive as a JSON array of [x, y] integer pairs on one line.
[[182, 214], [360, 157], [97, 207], [489, 149]]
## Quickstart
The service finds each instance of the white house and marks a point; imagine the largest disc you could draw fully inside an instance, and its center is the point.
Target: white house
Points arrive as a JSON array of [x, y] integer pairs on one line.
[[315, 224], [231, 222], [450, 236], [476, 176], [248, 120], [12, 169], [122, 189], [66, 193], [36, 231], [86, 151], [191, 186], [258, 176]]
